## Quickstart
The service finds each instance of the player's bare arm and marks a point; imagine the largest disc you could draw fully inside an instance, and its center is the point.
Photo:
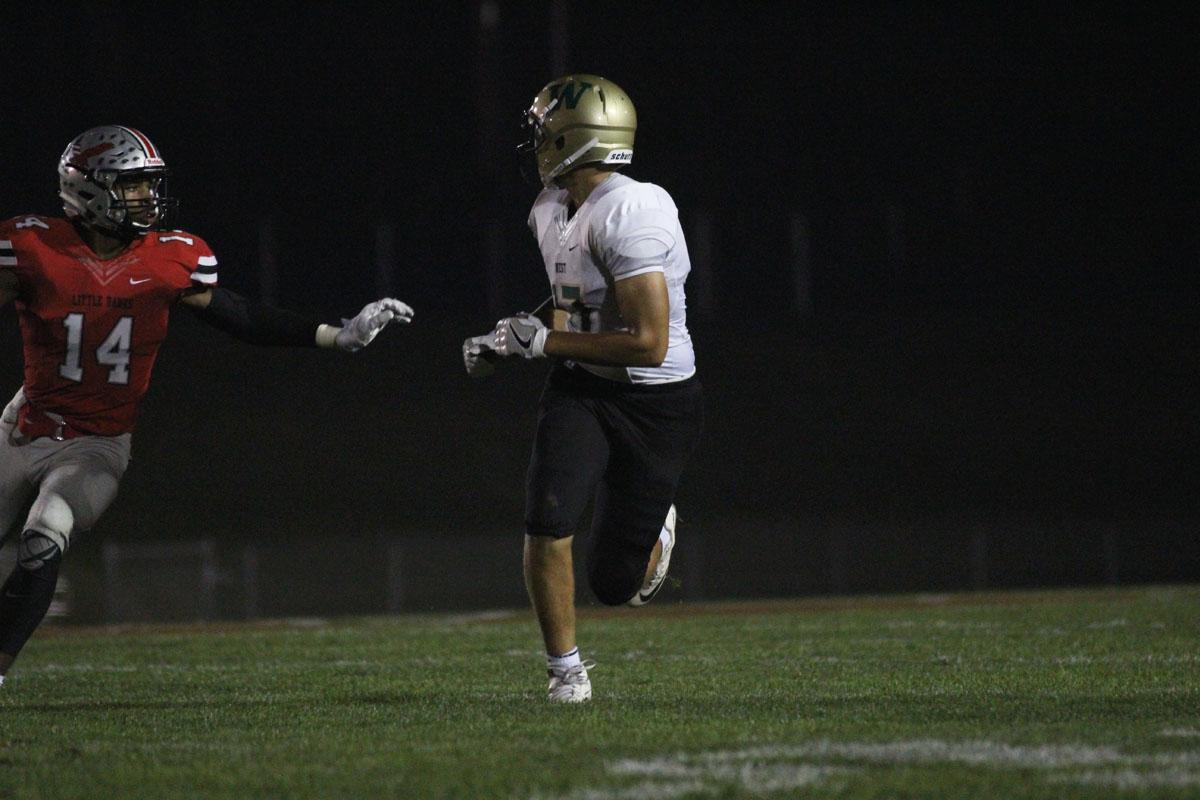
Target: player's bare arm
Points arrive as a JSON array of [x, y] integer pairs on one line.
[[644, 306], [257, 323]]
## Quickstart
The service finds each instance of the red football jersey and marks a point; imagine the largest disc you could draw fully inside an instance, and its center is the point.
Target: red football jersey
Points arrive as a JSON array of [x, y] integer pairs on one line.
[[92, 327]]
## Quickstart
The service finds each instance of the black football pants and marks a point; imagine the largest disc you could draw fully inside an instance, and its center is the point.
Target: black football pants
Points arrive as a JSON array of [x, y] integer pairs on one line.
[[625, 445]]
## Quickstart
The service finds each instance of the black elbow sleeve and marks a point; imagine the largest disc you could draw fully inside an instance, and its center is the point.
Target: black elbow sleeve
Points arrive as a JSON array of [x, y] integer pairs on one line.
[[257, 323]]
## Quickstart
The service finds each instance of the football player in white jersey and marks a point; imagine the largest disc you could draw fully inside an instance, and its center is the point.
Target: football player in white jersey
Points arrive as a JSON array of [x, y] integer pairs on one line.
[[622, 408]]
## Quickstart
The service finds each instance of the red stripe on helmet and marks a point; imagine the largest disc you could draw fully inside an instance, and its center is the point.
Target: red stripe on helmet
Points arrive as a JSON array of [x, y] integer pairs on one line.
[[144, 140]]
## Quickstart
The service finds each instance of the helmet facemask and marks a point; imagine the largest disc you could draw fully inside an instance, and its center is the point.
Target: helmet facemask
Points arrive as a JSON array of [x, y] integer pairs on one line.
[[137, 200], [533, 134]]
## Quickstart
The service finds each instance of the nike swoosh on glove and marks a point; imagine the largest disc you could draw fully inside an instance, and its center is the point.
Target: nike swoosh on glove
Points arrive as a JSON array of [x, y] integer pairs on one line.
[[359, 332], [523, 335]]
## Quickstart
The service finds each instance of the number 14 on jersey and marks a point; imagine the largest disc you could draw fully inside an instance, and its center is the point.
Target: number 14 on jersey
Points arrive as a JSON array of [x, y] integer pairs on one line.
[[112, 352]]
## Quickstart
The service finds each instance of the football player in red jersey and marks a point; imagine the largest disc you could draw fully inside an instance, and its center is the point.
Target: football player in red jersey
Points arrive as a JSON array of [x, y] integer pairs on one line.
[[93, 294]]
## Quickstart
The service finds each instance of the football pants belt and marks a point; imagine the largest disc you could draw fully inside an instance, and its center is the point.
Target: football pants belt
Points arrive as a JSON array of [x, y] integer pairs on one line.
[[34, 424]]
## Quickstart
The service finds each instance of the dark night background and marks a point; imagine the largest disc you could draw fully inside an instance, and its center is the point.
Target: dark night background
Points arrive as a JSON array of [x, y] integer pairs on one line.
[[943, 297]]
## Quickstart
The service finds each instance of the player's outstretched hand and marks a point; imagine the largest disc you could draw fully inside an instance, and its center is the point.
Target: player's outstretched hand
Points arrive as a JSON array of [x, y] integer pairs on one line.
[[479, 353], [359, 332], [523, 335]]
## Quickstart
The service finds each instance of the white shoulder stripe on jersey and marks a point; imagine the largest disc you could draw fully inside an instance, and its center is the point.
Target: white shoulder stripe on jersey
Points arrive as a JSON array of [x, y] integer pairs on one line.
[[207, 261], [204, 277], [5, 243], [8, 261]]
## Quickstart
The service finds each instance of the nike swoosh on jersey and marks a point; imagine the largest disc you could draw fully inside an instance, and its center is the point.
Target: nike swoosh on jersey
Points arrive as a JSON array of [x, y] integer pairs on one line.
[[572, 247], [132, 282]]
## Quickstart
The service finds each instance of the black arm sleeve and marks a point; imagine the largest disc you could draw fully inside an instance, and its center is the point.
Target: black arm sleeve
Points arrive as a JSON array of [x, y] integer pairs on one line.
[[256, 323]]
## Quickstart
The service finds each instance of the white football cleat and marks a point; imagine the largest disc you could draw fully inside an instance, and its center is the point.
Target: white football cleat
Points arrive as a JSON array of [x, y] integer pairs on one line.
[[651, 587], [570, 685]]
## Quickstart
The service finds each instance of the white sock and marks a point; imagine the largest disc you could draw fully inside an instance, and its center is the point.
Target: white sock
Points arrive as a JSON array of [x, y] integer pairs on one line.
[[565, 661], [1, 680]]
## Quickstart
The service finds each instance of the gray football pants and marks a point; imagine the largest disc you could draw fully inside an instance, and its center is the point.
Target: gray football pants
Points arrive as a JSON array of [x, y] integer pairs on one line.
[[69, 483]]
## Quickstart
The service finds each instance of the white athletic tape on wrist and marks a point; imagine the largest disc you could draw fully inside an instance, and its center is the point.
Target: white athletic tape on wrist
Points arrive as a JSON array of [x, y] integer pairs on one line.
[[327, 335], [538, 347]]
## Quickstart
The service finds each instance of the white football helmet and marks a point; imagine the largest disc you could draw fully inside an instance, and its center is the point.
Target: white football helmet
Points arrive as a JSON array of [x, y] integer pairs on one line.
[[100, 167]]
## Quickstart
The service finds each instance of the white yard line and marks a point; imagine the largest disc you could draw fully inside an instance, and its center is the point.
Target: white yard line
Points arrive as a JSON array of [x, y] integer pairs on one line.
[[1180, 733], [779, 768], [1130, 779], [194, 667]]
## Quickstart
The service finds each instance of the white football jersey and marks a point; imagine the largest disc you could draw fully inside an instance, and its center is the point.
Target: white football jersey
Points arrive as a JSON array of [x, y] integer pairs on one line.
[[624, 228]]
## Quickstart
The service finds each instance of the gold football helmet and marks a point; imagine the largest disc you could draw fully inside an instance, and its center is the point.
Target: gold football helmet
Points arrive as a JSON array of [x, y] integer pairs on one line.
[[577, 120]]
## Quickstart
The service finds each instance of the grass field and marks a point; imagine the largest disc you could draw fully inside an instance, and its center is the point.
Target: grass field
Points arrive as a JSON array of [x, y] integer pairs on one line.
[[1005, 695]]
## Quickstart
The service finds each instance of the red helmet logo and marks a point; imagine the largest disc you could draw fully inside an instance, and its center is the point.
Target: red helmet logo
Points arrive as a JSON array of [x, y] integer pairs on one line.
[[79, 158]]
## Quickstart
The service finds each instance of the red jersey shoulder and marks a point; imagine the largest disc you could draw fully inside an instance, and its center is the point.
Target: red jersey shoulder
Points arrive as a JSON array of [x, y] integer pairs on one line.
[[34, 229], [184, 248], [24, 239]]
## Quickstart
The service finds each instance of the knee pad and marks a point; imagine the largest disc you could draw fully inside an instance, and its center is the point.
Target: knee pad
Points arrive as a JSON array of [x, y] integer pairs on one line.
[[50, 520], [36, 549]]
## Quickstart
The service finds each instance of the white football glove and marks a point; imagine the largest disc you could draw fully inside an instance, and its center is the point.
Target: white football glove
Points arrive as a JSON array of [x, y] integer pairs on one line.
[[478, 355], [522, 335], [359, 332]]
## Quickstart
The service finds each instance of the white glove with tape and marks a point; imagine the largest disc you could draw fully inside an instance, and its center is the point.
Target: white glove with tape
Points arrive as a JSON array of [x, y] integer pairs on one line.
[[357, 333], [522, 335]]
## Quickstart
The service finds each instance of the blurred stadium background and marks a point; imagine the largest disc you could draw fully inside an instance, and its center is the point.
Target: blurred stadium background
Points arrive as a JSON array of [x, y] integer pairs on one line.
[[943, 292]]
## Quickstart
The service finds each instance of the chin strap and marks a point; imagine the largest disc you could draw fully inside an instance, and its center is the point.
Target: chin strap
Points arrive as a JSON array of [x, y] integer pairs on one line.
[[569, 160]]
